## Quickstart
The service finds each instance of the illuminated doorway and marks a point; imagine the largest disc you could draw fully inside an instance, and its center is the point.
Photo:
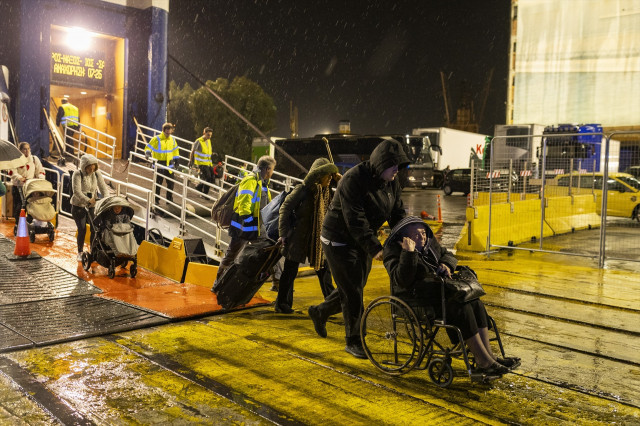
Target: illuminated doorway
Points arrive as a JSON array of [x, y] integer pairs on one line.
[[87, 69]]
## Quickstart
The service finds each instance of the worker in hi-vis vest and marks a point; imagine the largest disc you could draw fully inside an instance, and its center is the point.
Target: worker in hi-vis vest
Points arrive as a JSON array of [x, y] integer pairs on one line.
[[164, 149], [201, 156], [69, 116]]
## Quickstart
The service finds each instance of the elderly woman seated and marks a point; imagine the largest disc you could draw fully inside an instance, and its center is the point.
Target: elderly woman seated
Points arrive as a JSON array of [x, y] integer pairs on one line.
[[413, 257]]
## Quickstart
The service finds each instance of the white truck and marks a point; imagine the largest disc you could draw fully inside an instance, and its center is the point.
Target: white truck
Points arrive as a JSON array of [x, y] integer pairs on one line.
[[453, 148], [4, 103]]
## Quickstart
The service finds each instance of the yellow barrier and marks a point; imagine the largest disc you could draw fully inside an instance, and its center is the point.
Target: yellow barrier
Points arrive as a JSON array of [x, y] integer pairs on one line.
[[201, 274], [511, 223], [519, 221], [166, 261], [566, 214]]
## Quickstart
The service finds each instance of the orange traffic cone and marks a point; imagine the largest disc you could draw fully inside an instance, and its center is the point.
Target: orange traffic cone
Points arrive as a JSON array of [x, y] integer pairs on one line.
[[22, 239]]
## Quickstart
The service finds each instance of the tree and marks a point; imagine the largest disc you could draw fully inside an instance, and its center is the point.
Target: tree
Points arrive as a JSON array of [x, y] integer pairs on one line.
[[231, 135], [180, 111]]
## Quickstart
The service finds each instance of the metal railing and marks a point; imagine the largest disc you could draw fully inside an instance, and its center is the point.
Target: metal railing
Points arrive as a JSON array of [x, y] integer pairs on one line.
[[87, 140]]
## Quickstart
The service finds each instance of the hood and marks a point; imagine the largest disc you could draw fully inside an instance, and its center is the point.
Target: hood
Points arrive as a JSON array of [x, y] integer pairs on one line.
[[388, 153], [105, 204], [321, 167], [87, 160], [395, 233]]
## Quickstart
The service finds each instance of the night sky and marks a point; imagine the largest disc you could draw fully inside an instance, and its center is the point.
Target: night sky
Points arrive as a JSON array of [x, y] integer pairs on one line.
[[375, 63]]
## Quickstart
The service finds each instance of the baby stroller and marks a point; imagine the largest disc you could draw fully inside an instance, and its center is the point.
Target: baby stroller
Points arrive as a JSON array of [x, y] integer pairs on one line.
[[37, 197], [112, 242]]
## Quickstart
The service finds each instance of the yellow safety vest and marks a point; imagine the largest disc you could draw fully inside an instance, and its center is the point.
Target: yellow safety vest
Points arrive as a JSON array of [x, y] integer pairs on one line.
[[203, 157], [245, 221], [163, 149], [70, 113]]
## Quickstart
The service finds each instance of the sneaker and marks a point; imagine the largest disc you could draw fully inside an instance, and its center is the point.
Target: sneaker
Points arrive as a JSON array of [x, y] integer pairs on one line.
[[495, 369], [319, 323], [79, 257], [356, 350], [511, 362]]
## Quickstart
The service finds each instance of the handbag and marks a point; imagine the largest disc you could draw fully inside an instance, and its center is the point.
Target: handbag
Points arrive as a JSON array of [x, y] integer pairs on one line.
[[463, 286]]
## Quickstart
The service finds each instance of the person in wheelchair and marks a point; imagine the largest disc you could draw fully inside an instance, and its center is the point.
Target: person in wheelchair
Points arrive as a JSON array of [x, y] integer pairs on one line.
[[414, 259]]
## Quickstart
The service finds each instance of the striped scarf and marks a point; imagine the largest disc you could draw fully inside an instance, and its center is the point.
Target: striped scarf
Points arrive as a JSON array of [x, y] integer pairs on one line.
[[321, 200]]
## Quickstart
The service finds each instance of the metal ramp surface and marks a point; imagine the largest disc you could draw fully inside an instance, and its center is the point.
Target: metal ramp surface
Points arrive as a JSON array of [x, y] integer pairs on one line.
[[42, 304]]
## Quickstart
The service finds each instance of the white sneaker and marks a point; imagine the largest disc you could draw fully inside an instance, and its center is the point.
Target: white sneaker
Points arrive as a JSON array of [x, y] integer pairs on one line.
[[79, 257]]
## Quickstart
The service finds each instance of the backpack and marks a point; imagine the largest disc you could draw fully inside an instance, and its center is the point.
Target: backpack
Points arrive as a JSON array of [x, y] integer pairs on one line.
[[271, 215], [222, 209]]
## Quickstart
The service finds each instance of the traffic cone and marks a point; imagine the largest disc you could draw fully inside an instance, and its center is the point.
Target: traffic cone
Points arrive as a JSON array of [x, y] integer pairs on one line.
[[22, 239], [439, 210]]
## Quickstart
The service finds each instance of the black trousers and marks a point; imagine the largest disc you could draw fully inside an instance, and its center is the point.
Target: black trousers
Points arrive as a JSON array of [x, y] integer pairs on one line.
[[164, 174], [206, 174], [16, 191], [350, 267], [79, 214], [289, 273]]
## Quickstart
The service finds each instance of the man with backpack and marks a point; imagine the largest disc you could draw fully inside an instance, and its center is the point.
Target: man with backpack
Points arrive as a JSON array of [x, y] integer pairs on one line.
[[252, 195]]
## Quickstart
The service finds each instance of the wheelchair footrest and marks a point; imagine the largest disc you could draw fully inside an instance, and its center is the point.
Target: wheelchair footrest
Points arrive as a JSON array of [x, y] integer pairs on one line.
[[482, 378]]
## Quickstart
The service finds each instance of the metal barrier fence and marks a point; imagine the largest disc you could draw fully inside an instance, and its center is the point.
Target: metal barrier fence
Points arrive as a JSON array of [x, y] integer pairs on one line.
[[570, 188]]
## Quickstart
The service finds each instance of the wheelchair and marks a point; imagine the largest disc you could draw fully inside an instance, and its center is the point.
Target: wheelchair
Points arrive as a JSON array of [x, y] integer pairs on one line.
[[400, 334]]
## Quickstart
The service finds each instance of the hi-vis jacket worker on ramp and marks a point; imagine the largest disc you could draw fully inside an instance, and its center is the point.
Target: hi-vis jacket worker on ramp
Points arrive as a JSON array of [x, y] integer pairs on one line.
[[201, 156], [253, 194], [69, 115], [164, 149]]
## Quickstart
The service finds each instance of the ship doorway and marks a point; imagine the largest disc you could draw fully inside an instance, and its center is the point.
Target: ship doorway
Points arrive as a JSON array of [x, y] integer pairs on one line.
[[87, 69]]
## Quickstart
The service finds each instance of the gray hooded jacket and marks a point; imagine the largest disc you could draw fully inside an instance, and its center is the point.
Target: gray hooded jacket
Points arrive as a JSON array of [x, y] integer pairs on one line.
[[84, 186]]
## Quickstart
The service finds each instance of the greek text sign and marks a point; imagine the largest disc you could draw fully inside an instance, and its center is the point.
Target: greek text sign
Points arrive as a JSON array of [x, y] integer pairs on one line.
[[85, 69]]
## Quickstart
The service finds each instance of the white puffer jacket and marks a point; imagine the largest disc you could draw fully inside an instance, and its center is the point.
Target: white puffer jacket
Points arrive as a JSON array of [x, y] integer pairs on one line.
[[33, 169]]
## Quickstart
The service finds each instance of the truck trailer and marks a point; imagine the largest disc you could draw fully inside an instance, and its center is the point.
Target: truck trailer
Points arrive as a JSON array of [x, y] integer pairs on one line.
[[453, 149]]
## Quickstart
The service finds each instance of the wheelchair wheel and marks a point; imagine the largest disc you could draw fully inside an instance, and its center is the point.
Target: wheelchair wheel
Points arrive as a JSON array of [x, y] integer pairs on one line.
[[440, 372], [391, 335]]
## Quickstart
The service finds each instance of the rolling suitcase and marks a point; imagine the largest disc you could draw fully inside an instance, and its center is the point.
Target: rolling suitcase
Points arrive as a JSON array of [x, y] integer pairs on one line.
[[249, 271]]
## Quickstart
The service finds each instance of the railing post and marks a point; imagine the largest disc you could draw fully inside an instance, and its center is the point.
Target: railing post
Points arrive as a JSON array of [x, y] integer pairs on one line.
[[183, 212], [146, 224], [509, 186]]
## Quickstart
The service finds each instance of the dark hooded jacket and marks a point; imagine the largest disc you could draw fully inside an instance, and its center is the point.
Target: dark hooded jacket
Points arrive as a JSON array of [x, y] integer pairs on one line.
[[412, 273], [363, 201], [297, 212]]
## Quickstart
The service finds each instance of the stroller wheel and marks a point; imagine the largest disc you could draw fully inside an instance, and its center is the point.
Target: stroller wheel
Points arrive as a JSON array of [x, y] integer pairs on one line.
[[112, 271], [86, 261], [32, 236], [133, 271], [15, 231], [52, 235]]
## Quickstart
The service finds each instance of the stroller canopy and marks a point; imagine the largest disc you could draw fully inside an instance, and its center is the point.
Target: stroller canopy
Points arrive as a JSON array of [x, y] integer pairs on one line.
[[105, 204], [41, 186]]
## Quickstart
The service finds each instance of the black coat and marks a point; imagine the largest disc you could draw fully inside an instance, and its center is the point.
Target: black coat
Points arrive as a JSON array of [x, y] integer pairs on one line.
[[363, 201], [296, 222], [410, 273]]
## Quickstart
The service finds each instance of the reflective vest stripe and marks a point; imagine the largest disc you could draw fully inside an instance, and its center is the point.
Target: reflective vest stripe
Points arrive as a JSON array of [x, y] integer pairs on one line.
[[161, 151], [244, 228]]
